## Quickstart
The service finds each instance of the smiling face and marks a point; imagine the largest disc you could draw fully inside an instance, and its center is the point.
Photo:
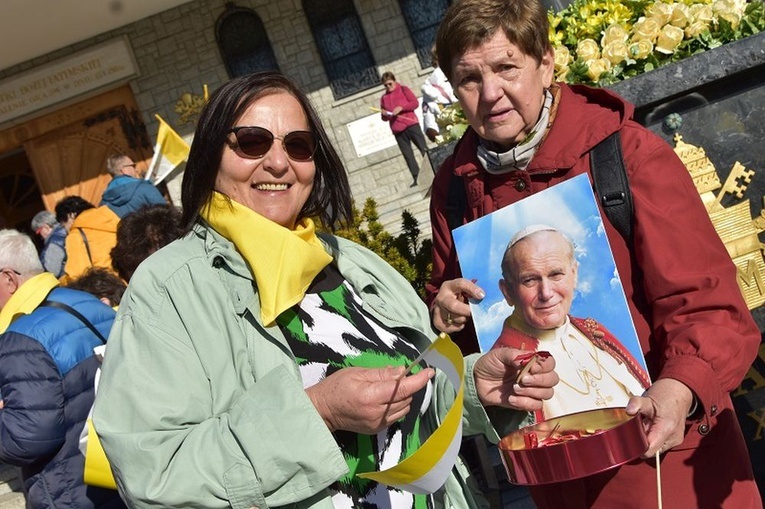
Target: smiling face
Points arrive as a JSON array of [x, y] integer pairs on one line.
[[274, 186], [501, 89], [543, 275]]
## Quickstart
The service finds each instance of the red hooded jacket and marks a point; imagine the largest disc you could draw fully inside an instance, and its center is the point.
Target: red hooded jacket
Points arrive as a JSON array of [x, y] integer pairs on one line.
[[680, 283]]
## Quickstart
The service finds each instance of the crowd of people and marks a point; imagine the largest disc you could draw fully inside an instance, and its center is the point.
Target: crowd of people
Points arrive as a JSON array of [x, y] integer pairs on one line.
[[255, 361], [57, 307]]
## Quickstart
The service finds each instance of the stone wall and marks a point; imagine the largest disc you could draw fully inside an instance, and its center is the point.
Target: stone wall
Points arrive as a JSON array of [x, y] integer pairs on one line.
[[176, 52]]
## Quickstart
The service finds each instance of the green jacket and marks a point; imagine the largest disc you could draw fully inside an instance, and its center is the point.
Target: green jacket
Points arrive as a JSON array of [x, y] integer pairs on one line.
[[200, 405]]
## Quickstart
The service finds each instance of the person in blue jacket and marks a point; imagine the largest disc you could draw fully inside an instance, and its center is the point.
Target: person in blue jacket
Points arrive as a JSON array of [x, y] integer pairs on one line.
[[47, 369], [127, 192]]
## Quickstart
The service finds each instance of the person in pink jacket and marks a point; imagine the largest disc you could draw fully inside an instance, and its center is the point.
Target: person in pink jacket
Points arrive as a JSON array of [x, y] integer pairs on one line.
[[398, 105], [528, 133]]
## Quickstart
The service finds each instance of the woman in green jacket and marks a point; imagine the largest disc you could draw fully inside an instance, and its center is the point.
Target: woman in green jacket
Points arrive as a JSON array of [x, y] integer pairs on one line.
[[255, 363]]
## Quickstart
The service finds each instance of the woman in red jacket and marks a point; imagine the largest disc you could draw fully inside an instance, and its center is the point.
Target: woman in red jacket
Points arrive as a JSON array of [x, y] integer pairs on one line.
[[528, 133], [398, 105]]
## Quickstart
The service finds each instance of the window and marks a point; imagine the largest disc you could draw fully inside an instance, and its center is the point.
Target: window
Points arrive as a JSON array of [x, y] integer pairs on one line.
[[243, 42], [342, 45], [422, 18]]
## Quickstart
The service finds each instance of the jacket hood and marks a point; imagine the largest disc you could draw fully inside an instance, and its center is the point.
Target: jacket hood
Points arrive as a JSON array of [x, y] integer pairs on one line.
[[100, 218], [120, 190], [570, 137], [586, 116]]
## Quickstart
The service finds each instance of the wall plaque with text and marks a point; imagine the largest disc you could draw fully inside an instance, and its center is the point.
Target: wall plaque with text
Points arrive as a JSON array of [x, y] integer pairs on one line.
[[66, 78]]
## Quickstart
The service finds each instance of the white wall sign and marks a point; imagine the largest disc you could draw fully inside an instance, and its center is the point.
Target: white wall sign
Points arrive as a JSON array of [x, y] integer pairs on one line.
[[66, 78], [371, 134]]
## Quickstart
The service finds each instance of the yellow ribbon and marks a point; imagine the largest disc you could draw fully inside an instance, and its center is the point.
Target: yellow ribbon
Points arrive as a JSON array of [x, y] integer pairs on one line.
[[427, 469], [284, 262]]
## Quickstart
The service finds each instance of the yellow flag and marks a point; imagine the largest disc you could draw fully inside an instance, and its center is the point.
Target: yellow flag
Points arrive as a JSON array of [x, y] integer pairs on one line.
[[169, 151], [426, 470]]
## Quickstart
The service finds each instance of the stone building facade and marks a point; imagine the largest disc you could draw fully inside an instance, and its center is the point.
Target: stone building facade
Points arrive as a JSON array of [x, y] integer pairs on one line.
[[176, 52]]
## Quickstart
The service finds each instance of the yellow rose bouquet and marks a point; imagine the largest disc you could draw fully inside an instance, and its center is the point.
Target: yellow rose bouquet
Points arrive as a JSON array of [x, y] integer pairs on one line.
[[599, 42]]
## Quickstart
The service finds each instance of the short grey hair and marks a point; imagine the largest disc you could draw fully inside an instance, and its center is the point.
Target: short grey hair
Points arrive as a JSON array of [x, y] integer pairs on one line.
[[42, 218], [18, 252], [114, 164]]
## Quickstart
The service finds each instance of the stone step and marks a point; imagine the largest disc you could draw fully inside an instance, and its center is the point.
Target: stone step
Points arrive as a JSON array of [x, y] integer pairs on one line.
[[416, 200], [11, 496], [12, 500]]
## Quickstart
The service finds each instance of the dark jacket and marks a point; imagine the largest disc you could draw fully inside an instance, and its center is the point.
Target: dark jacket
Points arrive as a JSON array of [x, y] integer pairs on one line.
[[680, 284], [126, 194], [47, 368]]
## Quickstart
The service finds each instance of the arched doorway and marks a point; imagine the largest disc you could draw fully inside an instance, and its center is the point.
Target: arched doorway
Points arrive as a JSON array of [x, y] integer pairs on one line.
[[20, 197], [65, 152]]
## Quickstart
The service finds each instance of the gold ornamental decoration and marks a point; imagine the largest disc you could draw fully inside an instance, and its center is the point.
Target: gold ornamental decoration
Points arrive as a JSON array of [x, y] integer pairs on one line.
[[190, 106], [734, 224]]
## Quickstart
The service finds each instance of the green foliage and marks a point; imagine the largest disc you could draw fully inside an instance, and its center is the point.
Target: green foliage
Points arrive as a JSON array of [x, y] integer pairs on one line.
[[406, 252]]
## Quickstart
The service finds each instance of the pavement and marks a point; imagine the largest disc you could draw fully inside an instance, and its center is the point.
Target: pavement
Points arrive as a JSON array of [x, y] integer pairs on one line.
[[11, 496], [501, 493]]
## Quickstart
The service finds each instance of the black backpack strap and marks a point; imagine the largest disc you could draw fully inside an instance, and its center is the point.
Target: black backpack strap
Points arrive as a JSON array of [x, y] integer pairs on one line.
[[87, 245], [612, 189], [456, 201], [69, 309]]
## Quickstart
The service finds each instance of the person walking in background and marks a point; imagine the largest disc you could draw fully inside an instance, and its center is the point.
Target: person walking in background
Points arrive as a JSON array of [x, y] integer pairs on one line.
[[398, 105], [47, 369], [127, 192], [436, 94], [53, 252], [698, 337]]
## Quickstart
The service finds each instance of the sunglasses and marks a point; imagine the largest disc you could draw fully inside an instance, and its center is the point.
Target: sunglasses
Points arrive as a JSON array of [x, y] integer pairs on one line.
[[257, 141]]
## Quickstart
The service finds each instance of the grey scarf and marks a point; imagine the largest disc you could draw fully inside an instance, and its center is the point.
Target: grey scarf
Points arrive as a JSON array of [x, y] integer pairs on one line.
[[518, 157]]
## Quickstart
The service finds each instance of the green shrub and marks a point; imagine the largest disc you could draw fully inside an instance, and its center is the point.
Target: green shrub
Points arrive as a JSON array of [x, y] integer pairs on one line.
[[406, 252]]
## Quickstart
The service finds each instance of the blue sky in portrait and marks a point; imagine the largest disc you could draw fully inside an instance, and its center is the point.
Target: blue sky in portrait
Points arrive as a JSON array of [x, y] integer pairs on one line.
[[569, 207]]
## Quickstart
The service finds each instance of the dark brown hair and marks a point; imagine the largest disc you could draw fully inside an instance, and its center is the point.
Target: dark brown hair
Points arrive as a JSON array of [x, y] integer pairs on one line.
[[71, 205], [330, 198], [141, 233], [469, 23], [100, 282]]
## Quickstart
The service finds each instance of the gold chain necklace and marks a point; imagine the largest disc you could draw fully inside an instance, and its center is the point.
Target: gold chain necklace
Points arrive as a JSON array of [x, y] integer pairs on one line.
[[587, 377]]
